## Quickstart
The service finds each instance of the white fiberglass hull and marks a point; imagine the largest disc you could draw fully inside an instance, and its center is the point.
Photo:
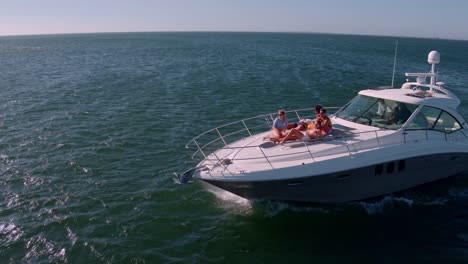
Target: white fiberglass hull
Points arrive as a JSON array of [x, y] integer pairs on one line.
[[350, 184]]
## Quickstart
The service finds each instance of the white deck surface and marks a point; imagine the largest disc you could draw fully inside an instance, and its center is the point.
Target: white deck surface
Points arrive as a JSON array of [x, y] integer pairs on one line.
[[256, 154]]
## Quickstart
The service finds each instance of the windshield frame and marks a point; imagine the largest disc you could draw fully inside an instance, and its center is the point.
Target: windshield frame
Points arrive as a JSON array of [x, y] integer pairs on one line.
[[377, 112]]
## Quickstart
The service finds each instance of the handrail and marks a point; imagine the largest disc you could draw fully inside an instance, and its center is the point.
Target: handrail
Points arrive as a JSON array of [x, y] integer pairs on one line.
[[267, 118], [349, 147], [255, 117], [306, 144], [219, 160]]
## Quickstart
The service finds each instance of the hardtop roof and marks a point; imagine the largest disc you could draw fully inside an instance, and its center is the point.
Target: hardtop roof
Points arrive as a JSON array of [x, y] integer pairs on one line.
[[416, 97]]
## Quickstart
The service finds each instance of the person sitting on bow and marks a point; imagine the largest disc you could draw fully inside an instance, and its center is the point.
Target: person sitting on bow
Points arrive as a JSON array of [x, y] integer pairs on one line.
[[279, 127], [322, 125], [306, 124]]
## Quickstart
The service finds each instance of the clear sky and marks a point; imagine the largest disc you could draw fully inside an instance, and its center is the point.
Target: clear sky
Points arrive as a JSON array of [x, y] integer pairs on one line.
[[416, 18]]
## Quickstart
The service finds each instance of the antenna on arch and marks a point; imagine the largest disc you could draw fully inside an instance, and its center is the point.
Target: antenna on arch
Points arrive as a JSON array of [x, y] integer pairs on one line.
[[394, 61]]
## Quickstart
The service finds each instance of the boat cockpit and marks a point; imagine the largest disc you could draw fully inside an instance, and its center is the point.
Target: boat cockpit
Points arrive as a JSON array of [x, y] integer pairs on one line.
[[377, 112], [391, 114]]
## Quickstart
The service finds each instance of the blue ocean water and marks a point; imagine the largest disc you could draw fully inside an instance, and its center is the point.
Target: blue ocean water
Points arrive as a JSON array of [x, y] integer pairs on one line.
[[93, 126]]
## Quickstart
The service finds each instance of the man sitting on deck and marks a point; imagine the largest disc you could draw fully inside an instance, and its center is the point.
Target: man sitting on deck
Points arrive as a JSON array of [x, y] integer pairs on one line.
[[322, 125], [279, 128]]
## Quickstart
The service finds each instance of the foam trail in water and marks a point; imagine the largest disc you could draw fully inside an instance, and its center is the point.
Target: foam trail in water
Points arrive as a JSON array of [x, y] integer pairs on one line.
[[230, 201], [437, 201], [273, 208], [388, 201], [460, 193]]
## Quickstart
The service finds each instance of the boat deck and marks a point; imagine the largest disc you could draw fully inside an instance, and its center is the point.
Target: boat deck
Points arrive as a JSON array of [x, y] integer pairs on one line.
[[258, 154]]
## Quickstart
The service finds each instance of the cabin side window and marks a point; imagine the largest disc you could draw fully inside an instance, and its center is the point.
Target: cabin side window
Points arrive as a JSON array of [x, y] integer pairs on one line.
[[447, 123], [434, 119]]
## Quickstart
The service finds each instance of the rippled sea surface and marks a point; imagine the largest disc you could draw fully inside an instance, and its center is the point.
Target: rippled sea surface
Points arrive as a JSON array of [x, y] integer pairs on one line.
[[93, 126]]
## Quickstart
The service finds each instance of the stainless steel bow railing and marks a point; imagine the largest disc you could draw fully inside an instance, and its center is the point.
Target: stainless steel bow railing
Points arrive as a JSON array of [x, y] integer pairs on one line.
[[207, 143], [233, 131]]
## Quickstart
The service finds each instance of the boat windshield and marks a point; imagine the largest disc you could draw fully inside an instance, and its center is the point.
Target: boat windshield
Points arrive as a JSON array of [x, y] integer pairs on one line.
[[377, 112]]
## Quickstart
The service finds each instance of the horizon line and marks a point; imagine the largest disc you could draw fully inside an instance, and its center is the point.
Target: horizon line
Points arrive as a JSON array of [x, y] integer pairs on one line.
[[224, 31]]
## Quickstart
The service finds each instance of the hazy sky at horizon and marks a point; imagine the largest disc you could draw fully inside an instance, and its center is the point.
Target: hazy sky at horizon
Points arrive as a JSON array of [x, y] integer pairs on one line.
[[415, 18]]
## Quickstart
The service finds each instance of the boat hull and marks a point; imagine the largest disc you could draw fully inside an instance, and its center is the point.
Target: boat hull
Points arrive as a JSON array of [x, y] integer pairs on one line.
[[354, 184]]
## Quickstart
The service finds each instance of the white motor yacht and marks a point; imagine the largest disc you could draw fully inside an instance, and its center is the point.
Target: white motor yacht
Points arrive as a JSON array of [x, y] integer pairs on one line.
[[384, 140]]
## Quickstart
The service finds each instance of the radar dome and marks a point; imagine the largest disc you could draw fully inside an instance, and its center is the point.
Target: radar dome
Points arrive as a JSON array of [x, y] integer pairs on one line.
[[433, 57]]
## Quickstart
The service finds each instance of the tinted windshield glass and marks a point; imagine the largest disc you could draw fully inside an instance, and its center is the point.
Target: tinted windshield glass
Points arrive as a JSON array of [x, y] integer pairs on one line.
[[377, 112]]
